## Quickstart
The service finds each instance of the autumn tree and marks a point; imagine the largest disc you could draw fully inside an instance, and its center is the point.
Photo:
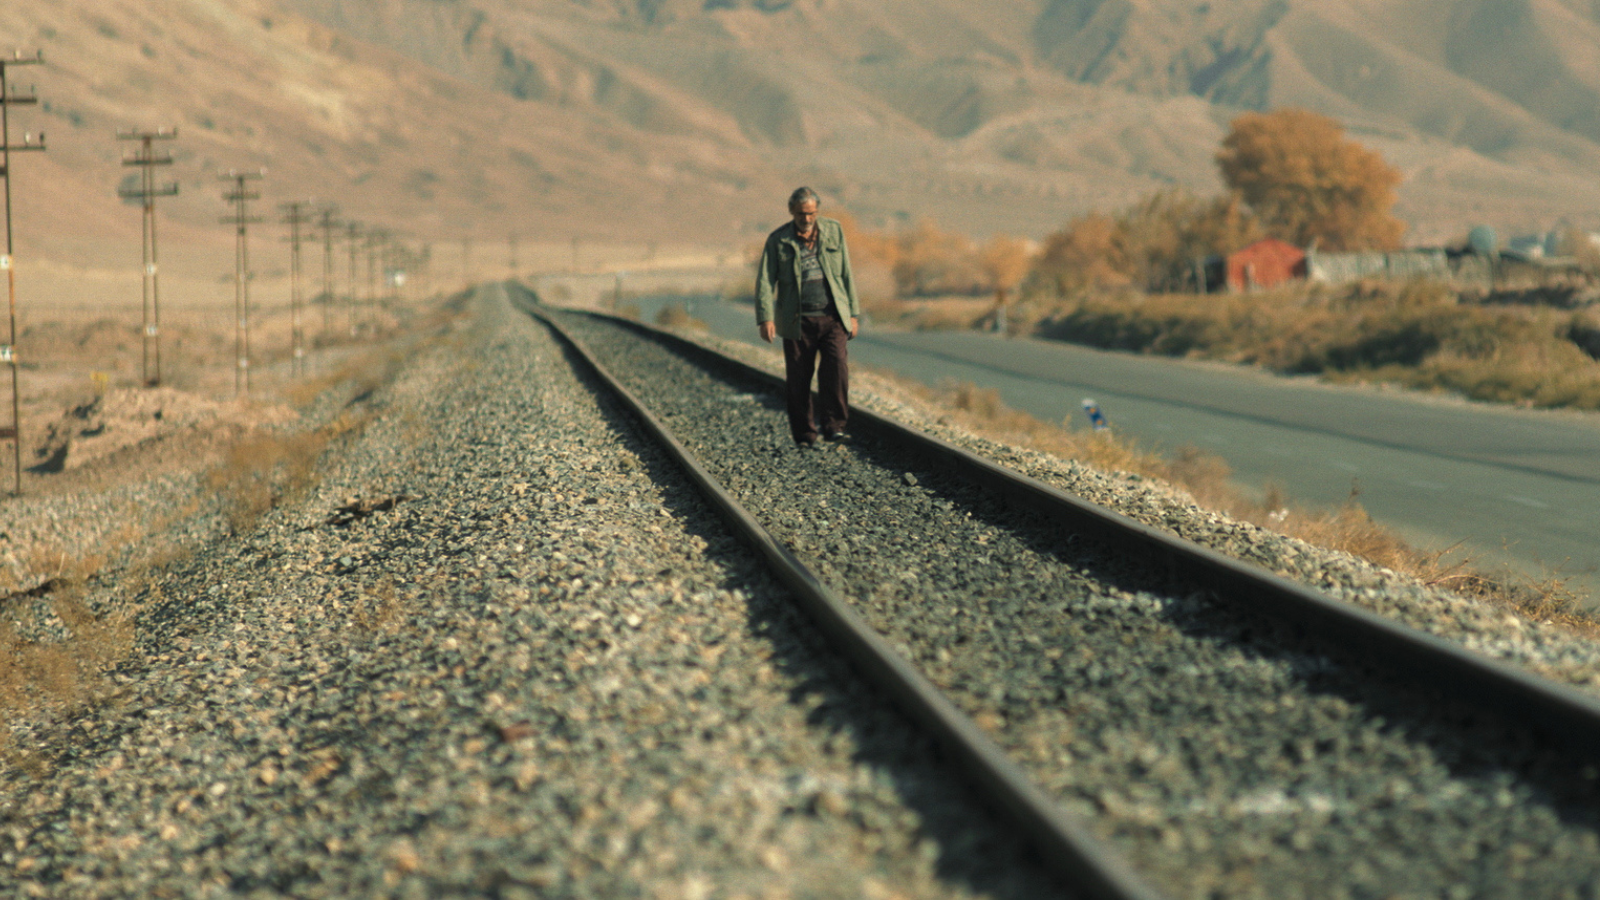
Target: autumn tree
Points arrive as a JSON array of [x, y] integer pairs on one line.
[[1162, 238], [1152, 245], [930, 260], [1004, 261], [872, 256], [1306, 182], [1086, 253], [926, 260]]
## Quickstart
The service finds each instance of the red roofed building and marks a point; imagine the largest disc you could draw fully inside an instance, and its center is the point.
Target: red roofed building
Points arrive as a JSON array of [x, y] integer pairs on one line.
[[1266, 263]]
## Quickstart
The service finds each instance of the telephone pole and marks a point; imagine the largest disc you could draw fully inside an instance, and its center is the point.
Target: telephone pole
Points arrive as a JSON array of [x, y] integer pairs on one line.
[[8, 352], [353, 243], [240, 195], [295, 214], [147, 159], [377, 239], [326, 223], [397, 258]]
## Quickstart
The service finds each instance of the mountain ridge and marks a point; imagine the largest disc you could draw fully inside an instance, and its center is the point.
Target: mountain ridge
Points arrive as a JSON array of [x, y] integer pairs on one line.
[[693, 118]]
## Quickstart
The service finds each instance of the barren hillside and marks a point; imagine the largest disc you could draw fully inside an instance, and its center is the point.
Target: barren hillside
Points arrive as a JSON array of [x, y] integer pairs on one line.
[[687, 120]]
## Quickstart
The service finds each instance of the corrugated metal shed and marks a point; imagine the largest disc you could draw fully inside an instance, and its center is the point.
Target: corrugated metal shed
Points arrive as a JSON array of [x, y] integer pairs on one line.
[[1333, 268], [1266, 263]]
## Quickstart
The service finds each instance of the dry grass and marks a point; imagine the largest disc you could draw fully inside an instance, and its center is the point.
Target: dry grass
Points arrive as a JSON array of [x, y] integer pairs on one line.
[[259, 473], [981, 411], [676, 316], [1347, 528], [54, 651], [265, 470], [1417, 334], [932, 313], [56, 644]]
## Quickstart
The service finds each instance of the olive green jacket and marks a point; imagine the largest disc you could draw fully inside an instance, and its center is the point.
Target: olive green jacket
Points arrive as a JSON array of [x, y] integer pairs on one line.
[[778, 277]]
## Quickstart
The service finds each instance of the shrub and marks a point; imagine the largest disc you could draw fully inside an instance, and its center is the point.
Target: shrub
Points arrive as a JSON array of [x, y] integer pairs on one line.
[[1413, 334], [676, 315]]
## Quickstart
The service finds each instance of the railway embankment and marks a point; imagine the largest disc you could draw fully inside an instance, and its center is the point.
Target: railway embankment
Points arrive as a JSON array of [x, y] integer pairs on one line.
[[479, 638]]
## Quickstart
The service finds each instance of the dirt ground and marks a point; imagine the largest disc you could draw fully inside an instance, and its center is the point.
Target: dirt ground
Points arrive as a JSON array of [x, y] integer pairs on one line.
[[85, 365], [92, 388]]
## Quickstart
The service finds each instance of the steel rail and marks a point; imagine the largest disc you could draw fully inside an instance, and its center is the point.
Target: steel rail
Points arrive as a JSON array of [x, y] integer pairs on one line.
[[1063, 844], [1561, 715]]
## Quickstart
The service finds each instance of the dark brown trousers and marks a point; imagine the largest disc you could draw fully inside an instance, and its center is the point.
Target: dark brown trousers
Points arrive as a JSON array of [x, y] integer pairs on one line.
[[824, 337]]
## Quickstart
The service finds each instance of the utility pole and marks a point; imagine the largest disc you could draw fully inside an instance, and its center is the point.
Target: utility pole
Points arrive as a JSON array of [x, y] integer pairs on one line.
[[397, 259], [377, 238], [8, 352], [147, 159], [511, 262], [466, 263], [240, 195], [425, 270], [326, 223], [295, 214], [352, 237]]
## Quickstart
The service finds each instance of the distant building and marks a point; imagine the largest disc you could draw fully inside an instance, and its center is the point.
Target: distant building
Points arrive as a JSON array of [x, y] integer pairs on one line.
[[1397, 265], [1532, 247], [1266, 263], [1271, 262]]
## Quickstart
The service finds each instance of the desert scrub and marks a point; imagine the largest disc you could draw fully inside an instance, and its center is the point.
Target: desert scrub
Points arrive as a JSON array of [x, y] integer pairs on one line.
[[54, 652], [676, 316], [1416, 334]]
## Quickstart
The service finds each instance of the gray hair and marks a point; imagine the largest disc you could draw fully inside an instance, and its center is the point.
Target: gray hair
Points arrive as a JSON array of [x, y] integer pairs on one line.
[[803, 195]]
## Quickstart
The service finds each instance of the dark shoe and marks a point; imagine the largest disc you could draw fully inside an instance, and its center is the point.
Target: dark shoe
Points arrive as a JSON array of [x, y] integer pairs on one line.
[[837, 437], [807, 442]]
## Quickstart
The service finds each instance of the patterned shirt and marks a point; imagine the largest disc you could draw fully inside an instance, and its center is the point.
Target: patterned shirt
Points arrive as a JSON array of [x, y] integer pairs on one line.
[[814, 295]]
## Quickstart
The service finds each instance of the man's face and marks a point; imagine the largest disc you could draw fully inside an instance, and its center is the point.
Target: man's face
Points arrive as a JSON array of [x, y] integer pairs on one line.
[[805, 216]]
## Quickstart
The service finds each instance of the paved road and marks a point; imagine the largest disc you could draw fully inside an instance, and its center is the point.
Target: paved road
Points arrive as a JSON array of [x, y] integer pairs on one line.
[[1511, 486]]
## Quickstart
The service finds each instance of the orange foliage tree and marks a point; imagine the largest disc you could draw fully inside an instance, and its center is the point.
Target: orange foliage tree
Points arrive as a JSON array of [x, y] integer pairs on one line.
[[931, 261], [1086, 253], [927, 261], [872, 256], [1164, 237], [1153, 245], [1004, 261], [1306, 182]]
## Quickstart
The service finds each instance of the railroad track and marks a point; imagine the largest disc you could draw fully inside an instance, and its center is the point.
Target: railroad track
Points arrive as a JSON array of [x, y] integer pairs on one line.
[[1158, 720]]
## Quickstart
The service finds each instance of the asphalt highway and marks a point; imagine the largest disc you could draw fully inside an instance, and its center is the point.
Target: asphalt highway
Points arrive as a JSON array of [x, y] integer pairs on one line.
[[1518, 488]]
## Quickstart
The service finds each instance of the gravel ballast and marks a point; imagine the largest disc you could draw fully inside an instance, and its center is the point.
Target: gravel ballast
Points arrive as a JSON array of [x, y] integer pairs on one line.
[[1224, 758], [498, 650]]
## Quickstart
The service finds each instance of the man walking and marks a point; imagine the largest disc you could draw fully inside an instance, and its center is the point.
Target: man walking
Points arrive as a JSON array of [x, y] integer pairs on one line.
[[806, 294]]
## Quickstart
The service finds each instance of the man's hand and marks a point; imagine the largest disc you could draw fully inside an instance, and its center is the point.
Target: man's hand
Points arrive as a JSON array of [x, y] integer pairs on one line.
[[855, 326], [769, 330]]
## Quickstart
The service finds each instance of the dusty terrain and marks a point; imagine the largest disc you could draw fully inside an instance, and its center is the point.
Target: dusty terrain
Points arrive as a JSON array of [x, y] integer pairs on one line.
[[677, 122], [491, 646]]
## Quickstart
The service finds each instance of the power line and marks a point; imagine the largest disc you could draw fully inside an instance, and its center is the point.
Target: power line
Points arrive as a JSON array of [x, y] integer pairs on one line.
[[147, 159], [8, 352], [353, 245], [240, 196], [376, 245], [295, 214], [326, 223]]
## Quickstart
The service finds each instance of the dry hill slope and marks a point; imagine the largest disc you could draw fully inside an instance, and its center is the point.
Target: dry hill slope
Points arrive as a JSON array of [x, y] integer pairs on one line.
[[686, 119]]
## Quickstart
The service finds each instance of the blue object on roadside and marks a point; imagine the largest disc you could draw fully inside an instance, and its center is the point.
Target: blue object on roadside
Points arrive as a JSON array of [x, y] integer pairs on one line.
[[1097, 419]]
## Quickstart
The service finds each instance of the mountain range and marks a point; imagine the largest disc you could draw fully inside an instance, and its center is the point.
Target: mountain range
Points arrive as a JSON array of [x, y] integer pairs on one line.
[[684, 121]]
